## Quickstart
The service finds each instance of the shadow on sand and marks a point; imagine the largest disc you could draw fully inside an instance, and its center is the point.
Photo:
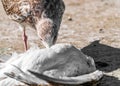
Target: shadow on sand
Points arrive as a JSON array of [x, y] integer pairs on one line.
[[107, 59]]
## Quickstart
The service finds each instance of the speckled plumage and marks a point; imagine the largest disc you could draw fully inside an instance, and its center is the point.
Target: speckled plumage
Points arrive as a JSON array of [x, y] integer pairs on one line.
[[33, 12]]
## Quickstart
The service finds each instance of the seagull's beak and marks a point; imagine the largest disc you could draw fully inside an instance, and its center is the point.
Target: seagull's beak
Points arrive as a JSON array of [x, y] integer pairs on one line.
[[47, 44]]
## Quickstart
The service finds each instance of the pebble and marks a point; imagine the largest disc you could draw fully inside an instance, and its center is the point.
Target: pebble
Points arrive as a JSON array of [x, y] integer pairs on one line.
[[70, 18]]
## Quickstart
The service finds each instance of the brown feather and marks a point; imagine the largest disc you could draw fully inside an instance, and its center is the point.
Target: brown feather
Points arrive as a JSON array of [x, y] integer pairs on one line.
[[30, 11]]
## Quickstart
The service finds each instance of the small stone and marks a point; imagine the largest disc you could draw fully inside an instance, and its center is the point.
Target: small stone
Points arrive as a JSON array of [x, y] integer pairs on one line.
[[70, 18], [101, 31]]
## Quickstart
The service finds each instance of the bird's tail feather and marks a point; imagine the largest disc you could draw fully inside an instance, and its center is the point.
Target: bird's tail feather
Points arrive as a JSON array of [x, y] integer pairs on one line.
[[95, 76]]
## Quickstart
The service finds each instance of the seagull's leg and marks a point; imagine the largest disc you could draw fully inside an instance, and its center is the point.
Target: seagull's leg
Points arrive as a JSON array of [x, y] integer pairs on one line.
[[25, 39]]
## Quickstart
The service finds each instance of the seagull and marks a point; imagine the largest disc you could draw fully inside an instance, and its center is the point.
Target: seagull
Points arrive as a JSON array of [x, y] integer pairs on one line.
[[60, 64], [44, 16]]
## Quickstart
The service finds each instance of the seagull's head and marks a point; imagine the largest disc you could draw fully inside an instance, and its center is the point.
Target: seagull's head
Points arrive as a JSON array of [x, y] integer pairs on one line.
[[47, 32], [49, 21]]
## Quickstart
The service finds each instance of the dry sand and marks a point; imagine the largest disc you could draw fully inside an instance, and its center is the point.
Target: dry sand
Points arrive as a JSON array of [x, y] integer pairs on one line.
[[92, 25]]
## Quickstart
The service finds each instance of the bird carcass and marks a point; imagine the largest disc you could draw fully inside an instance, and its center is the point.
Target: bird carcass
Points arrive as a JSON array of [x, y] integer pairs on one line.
[[61, 64]]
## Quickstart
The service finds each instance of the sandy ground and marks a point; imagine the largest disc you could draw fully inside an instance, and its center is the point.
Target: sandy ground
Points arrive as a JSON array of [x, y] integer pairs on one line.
[[92, 25]]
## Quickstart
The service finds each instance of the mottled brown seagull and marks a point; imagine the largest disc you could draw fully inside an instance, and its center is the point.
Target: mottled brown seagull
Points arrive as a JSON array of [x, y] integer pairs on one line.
[[43, 15]]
